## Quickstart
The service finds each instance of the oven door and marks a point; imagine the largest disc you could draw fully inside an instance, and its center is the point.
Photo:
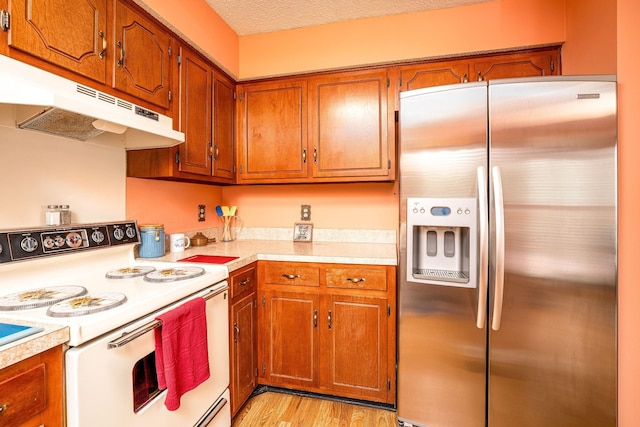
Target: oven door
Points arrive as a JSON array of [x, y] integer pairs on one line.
[[111, 381]]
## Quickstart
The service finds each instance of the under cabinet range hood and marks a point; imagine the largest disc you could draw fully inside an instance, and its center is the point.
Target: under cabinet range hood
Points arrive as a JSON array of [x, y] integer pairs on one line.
[[52, 104]]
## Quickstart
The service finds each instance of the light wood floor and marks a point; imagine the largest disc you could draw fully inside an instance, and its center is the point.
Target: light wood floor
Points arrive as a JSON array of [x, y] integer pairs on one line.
[[272, 409]]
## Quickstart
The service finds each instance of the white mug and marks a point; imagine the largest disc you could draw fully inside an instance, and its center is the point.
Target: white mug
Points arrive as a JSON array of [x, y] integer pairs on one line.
[[178, 242]]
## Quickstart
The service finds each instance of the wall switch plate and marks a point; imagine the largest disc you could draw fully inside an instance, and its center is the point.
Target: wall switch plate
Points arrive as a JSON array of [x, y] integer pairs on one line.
[[202, 213], [305, 212]]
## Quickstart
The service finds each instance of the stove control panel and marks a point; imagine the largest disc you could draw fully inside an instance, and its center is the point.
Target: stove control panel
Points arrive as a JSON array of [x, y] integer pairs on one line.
[[16, 245]]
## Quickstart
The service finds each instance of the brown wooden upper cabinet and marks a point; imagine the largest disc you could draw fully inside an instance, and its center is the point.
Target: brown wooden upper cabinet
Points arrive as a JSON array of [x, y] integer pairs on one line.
[[529, 63], [272, 131], [332, 127], [349, 124], [142, 52], [72, 34], [207, 102]]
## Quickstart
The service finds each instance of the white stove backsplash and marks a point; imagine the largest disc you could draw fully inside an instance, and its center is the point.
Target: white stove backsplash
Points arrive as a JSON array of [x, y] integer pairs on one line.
[[39, 169]]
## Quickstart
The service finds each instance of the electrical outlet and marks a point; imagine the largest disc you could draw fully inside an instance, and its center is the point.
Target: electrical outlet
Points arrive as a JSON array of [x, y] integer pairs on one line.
[[305, 212], [202, 213]]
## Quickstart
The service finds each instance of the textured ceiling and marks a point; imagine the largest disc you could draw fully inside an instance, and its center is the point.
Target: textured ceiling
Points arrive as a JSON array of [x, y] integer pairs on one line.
[[263, 16]]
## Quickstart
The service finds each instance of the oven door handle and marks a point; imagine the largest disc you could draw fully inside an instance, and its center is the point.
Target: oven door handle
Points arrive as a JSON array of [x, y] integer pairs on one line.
[[211, 413], [127, 337]]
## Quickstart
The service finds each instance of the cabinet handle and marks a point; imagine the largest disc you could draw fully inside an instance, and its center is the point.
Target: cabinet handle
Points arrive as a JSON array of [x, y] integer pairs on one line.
[[245, 281], [304, 156], [329, 319], [465, 78], [315, 318], [315, 155], [356, 280], [291, 276], [480, 78], [104, 44], [216, 151], [237, 332], [121, 60], [3, 407]]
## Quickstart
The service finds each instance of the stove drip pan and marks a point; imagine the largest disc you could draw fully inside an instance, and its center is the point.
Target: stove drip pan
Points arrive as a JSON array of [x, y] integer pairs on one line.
[[174, 274], [129, 272], [87, 304], [39, 297]]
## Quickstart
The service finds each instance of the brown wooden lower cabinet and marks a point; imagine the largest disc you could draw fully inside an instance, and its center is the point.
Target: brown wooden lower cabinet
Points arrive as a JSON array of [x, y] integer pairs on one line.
[[242, 332], [330, 332], [31, 391]]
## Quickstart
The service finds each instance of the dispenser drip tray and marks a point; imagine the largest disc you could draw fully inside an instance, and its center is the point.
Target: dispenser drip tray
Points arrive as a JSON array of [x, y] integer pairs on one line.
[[447, 275]]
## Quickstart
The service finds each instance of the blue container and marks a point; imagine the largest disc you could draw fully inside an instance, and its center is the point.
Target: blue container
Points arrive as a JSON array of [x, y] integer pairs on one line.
[[152, 238]]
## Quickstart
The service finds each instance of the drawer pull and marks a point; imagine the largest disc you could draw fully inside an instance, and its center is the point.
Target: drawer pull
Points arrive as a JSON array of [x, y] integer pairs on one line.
[[3, 407], [245, 281], [291, 276], [356, 280]]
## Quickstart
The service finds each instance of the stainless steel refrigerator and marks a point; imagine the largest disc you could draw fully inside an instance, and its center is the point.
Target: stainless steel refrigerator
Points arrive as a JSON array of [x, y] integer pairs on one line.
[[508, 254]]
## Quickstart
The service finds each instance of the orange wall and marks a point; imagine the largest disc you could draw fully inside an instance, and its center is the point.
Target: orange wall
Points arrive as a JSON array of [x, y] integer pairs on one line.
[[591, 37], [498, 24], [173, 204], [628, 29]]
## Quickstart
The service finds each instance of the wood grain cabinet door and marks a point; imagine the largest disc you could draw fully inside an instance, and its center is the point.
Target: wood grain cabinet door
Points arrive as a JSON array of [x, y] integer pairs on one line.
[[223, 127], [350, 122], [290, 354], [272, 131], [523, 64], [195, 101], [72, 34], [433, 74], [142, 56], [355, 345], [243, 350]]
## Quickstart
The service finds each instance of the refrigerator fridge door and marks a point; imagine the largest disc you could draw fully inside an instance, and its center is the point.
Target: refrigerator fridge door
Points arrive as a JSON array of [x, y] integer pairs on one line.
[[552, 343], [442, 352]]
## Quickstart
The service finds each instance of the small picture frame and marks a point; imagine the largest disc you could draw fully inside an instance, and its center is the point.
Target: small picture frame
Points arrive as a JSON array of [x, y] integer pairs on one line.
[[303, 232]]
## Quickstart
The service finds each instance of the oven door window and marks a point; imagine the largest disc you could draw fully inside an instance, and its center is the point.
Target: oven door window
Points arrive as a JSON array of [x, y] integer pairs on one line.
[[145, 381]]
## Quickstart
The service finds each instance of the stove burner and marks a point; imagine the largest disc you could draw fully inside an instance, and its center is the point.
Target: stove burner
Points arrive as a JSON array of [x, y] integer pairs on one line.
[[39, 297], [129, 272], [88, 304], [174, 274]]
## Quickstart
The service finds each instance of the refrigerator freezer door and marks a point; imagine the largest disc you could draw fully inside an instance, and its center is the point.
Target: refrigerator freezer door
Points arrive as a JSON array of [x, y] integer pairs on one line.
[[442, 353], [552, 361]]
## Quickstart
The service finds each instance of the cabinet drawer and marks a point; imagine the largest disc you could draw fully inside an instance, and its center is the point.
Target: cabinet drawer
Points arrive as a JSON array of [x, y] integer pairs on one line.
[[357, 278], [24, 395], [243, 281], [291, 274]]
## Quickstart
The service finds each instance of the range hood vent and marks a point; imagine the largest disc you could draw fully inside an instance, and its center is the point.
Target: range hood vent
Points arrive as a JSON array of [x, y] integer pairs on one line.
[[64, 108]]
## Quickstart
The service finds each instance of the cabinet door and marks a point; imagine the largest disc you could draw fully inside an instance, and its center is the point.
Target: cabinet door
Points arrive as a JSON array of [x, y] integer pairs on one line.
[[524, 64], [195, 106], [355, 339], [243, 350], [289, 344], [223, 126], [350, 126], [272, 135], [433, 74], [142, 56], [69, 33]]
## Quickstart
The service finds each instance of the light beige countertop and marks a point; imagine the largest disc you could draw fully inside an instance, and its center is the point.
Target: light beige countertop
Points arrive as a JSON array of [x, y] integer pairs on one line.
[[16, 351], [249, 251]]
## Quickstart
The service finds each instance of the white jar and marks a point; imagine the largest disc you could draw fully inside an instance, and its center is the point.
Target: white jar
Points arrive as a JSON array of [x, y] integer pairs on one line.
[[52, 215]]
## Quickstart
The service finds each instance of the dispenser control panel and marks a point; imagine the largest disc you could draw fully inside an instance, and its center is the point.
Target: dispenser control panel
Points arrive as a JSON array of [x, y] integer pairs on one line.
[[442, 241]]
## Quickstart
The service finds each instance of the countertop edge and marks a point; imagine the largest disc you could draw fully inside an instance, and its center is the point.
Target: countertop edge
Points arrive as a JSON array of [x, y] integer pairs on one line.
[[32, 345]]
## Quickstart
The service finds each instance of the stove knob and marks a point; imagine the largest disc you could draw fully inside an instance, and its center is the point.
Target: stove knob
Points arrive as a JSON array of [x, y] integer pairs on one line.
[[1, 249], [97, 236], [118, 233], [131, 232], [29, 244]]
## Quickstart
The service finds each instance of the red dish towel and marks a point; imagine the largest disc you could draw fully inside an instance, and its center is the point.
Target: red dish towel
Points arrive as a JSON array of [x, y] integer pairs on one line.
[[182, 359]]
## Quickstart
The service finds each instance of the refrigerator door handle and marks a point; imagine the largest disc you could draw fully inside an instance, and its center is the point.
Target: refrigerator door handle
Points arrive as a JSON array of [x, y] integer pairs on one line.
[[483, 235], [499, 248]]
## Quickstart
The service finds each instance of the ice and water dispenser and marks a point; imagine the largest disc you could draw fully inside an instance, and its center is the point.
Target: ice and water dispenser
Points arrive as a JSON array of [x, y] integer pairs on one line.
[[442, 244]]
